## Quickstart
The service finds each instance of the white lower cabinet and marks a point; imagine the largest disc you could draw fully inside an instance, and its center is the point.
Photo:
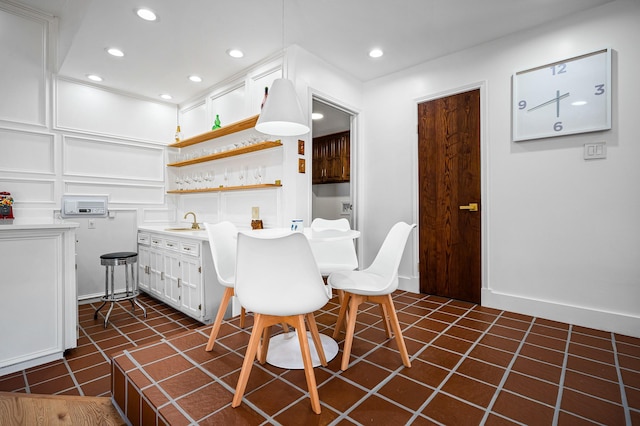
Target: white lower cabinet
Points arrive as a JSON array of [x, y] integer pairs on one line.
[[179, 271]]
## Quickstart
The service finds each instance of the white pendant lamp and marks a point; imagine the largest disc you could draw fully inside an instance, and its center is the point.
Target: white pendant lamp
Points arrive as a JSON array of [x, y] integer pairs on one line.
[[282, 114]]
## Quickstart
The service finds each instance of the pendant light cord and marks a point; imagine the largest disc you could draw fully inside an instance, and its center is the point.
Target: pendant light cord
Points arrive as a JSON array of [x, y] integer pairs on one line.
[[285, 71]]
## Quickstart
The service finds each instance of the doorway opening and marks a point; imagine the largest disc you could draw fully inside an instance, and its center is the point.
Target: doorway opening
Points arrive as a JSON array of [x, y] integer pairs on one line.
[[331, 163]]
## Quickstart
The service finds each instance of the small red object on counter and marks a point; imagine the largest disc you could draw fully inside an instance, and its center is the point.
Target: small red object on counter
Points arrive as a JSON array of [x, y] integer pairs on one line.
[[6, 206]]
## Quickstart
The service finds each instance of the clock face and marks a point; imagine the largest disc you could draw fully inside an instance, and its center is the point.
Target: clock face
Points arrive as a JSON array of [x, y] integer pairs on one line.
[[566, 97]]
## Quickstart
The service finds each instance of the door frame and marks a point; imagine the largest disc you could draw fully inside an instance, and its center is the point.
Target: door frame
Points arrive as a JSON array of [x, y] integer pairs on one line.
[[354, 146], [484, 177]]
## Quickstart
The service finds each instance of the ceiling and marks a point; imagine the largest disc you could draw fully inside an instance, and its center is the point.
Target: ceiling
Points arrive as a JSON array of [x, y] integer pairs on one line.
[[192, 36]]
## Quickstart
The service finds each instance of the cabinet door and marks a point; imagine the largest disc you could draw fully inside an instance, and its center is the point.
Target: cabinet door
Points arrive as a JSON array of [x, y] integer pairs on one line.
[[143, 268], [172, 278], [332, 158], [156, 268], [191, 286]]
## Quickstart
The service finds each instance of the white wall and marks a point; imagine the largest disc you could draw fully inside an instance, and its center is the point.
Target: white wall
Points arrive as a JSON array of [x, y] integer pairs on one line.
[[59, 136], [560, 233]]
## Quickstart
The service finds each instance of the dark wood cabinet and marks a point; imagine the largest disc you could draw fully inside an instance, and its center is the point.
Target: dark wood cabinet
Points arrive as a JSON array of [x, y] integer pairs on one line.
[[332, 158]]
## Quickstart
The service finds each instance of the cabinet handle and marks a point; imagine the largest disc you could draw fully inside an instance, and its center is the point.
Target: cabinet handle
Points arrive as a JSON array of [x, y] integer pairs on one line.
[[179, 282], [162, 276]]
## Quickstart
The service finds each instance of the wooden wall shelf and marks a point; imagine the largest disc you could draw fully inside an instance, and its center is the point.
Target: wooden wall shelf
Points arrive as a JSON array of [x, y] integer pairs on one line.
[[238, 126], [230, 153], [224, 188]]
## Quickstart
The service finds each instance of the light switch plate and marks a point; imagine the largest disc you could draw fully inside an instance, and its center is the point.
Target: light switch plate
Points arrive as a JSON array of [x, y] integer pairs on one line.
[[593, 151]]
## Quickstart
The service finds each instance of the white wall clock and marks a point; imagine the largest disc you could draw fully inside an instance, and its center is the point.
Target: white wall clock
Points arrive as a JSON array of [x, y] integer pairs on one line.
[[563, 98]]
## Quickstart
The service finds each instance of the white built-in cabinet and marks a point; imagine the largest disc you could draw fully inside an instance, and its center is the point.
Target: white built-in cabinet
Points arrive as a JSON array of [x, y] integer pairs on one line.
[[178, 270]]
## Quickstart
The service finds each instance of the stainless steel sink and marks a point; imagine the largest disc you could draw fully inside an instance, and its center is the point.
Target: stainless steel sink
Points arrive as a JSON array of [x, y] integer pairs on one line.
[[182, 229]]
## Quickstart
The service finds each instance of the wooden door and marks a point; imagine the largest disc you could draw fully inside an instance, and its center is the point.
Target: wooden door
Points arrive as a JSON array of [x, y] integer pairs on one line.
[[449, 182]]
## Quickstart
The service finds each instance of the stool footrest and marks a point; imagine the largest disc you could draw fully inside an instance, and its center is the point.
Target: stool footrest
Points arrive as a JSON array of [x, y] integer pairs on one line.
[[120, 296]]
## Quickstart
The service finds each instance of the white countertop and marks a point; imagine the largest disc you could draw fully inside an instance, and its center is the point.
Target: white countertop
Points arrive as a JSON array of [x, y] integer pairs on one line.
[[200, 234], [36, 223]]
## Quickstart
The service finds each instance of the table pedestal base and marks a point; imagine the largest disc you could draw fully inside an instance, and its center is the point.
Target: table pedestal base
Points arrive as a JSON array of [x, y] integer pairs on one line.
[[284, 350]]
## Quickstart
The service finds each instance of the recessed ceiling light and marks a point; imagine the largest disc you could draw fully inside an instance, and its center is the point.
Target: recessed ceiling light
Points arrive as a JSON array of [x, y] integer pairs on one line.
[[115, 52], [376, 53], [146, 14], [195, 78], [316, 116], [235, 53], [94, 77], [166, 96]]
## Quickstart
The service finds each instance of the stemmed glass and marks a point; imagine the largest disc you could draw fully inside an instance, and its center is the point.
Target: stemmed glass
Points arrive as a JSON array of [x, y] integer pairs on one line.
[[226, 177], [209, 176], [242, 173], [197, 180], [258, 174], [179, 182], [187, 181]]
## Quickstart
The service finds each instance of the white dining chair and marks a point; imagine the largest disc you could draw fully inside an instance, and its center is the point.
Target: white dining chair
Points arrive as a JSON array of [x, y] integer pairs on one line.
[[278, 280], [373, 284], [333, 256], [223, 239]]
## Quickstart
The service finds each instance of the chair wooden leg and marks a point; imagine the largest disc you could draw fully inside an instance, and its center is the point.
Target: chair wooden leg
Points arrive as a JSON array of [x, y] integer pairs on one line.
[[243, 314], [264, 345], [395, 324], [341, 314], [354, 302], [249, 356], [385, 319], [226, 297], [308, 364], [315, 335]]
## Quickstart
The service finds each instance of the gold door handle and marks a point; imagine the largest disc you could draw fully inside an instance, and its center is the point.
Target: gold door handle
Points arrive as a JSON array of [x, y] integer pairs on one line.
[[472, 207]]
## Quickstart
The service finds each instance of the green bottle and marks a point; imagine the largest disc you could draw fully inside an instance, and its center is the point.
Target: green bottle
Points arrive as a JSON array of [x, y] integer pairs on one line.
[[216, 124]]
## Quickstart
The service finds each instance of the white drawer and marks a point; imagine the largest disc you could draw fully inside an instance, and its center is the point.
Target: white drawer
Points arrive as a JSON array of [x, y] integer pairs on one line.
[[143, 238], [172, 245], [191, 249], [156, 242]]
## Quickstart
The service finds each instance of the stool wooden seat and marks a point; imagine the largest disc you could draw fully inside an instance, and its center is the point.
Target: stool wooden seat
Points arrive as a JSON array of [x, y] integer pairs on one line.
[[110, 261]]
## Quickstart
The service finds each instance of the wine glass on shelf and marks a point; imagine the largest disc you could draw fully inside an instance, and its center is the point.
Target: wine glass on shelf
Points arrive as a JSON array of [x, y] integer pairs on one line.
[[179, 182], [242, 173], [226, 177], [197, 180], [187, 181], [209, 176], [258, 174]]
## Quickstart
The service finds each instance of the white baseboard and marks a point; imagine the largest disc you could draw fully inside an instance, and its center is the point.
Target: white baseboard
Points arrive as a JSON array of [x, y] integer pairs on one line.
[[578, 315]]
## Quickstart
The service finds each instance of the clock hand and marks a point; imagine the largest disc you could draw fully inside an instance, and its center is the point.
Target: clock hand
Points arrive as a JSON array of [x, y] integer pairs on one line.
[[549, 102]]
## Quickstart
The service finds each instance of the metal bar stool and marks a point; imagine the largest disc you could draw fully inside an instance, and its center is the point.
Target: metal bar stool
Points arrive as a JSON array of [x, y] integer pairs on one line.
[[111, 260]]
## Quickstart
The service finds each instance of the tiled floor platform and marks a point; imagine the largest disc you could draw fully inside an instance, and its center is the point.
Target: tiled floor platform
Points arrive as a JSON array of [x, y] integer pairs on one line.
[[470, 365]]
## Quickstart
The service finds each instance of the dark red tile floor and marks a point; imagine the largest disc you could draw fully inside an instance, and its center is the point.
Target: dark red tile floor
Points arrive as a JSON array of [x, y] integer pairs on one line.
[[470, 365]]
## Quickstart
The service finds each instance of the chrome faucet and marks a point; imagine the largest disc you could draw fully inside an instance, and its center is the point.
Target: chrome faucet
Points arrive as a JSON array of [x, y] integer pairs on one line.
[[194, 225]]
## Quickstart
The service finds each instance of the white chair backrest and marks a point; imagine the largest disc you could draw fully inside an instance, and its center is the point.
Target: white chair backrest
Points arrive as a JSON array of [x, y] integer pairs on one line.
[[389, 256], [278, 276], [320, 223], [223, 238], [333, 256]]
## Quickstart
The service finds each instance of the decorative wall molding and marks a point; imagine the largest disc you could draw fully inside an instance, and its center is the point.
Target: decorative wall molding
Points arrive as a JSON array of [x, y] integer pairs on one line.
[[27, 152], [111, 113], [25, 190], [97, 158], [158, 215], [23, 78], [119, 193]]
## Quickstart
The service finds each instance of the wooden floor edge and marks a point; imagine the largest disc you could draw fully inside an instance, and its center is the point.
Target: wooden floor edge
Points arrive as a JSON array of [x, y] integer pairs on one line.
[[27, 409]]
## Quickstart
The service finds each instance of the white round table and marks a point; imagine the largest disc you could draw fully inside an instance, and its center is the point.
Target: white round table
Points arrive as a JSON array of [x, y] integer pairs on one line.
[[284, 350]]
